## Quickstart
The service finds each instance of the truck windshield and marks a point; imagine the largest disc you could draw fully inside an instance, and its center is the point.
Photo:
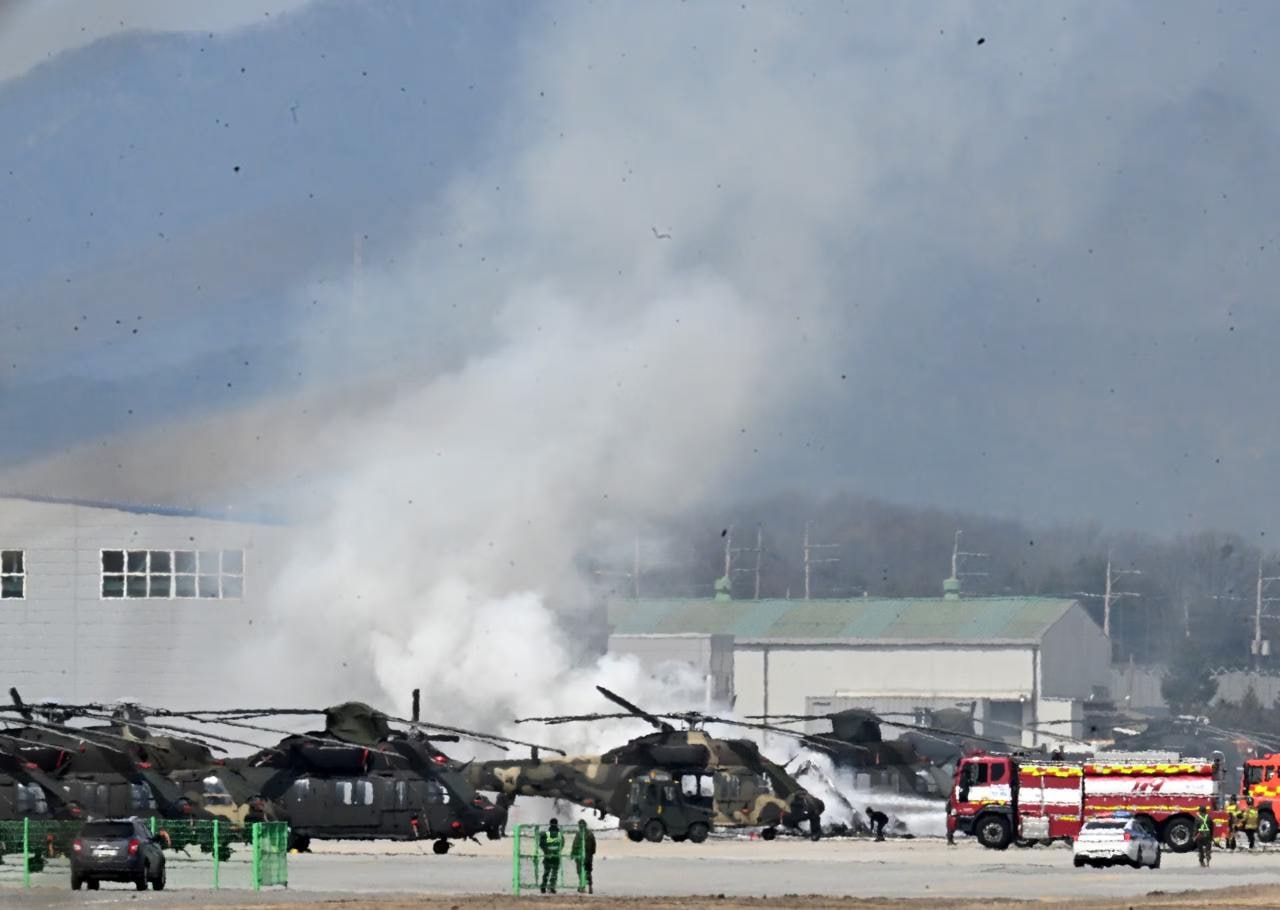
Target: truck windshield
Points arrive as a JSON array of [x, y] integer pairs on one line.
[[1253, 774]]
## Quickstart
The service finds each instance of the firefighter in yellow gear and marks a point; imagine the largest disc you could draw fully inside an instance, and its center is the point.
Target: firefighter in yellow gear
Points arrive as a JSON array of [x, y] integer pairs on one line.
[[1250, 821], [1235, 821]]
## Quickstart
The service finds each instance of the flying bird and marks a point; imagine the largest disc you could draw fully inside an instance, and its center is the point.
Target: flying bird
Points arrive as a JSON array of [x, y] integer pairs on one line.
[[660, 235]]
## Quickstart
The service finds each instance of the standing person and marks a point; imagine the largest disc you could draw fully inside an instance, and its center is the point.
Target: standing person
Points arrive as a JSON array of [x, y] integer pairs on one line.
[[1235, 821], [1204, 836], [1250, 820], [584, 854], [551, 844], [877, 820]]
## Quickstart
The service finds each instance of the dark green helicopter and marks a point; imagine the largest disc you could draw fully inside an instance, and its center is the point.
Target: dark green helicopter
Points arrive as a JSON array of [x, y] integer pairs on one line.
[[365, 775]]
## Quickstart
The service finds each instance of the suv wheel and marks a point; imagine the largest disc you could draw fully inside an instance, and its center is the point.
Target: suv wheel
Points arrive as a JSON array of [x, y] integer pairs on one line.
[[159, 882], [141, 881]]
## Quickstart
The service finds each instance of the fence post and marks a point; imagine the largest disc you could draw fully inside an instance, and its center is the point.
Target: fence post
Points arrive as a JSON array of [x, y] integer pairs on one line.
[[153, 826], [515, 861], [26, 852], [257, 857], [217, 854]]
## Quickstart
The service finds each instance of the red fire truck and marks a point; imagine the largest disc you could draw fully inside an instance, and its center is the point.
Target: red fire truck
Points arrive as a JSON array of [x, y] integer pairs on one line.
[[1006, 798], [1261, 780]]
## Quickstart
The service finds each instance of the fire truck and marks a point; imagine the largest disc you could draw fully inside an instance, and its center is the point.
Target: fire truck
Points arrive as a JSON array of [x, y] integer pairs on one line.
[[1261, 780], [1004, 799]]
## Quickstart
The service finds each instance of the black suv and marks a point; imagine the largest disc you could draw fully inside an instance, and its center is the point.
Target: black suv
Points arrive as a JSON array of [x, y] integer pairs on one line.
[[122, 850]]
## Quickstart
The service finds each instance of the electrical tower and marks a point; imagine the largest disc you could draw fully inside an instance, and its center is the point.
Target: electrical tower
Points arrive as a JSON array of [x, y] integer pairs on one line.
[[758, 549], [958, 557], [1109, 593], [810, 561]]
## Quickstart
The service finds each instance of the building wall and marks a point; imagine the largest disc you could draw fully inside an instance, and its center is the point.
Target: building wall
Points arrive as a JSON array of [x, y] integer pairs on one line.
[[796, 672], [1075, 658], [63, 640]]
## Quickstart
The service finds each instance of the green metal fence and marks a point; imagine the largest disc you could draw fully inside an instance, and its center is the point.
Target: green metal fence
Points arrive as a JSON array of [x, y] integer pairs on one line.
[[199, 853], [528, 867]]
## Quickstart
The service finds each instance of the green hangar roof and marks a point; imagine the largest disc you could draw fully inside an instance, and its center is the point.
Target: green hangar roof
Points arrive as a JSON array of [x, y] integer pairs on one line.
[[966, 620]]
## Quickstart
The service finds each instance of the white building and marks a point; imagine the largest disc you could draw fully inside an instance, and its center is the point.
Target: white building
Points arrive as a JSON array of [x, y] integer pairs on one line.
[[102, 601], [1025, 664]]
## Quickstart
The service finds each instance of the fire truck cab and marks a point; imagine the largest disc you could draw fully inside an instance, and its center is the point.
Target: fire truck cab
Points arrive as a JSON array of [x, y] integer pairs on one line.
[[1261, 780], [1004, 799]]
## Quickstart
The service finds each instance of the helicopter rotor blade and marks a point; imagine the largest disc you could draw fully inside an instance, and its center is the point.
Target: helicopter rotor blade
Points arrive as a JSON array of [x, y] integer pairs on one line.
[[573, 718], [635, 709], [492, 738]]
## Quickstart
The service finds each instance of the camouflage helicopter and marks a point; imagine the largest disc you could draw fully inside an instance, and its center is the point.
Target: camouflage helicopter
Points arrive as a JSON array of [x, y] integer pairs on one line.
[[360, 778], [677, 783], [920, 762]]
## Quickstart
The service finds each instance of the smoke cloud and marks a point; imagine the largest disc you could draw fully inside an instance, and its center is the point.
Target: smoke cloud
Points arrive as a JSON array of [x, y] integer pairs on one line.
[[596, 374]]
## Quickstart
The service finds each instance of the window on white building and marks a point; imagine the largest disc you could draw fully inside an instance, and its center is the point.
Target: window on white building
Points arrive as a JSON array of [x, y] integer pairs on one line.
[[172, 573], [13, 574]]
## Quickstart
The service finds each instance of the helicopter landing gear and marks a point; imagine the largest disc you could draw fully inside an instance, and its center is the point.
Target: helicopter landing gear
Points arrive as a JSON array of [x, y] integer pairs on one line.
[[635, 836], [441, 847], [298, 842], [769, 833]]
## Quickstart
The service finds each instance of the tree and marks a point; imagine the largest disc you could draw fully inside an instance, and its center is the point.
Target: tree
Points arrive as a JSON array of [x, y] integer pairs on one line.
[[1188, 685]]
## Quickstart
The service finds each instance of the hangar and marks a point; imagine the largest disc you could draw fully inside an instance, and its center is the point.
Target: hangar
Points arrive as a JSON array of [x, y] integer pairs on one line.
[[1029, 666], [104, 601]]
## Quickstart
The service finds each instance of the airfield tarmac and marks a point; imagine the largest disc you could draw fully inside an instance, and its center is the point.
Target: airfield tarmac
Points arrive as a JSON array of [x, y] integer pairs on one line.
[[722, 873]]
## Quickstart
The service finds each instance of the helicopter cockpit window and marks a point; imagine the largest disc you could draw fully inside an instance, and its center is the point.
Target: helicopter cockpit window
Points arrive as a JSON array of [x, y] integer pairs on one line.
[[437, 793], [364, 792], [140, 797], [300, 790], [216, 793], [31, 800]]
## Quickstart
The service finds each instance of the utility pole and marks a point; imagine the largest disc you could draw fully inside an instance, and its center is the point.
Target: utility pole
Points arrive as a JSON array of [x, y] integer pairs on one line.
[[757, 549], [1109, 594], [1260, 599], [958, 557], [635, 569], [633, 575], [810, 562]]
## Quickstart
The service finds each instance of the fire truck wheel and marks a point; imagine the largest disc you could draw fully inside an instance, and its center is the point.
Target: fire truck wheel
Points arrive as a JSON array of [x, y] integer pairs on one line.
[[1266, 827], [1179, 834], [993, 832]]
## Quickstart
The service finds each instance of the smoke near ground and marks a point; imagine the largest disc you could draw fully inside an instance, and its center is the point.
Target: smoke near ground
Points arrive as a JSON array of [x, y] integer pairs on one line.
[[846, 802]]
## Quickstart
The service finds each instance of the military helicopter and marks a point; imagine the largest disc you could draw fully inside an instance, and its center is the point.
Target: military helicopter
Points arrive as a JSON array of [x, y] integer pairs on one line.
[[360, 778], [677, 783], [920, 762]]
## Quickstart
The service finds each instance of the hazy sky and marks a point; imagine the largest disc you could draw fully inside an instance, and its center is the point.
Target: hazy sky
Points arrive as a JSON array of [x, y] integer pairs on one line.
[[1016, 258]]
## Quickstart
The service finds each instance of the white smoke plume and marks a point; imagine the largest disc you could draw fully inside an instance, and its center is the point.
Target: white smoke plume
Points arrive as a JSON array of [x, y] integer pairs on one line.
[[596, 375]]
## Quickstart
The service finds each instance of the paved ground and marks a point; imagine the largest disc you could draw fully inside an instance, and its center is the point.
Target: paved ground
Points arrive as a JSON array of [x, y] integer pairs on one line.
[[734, 868]]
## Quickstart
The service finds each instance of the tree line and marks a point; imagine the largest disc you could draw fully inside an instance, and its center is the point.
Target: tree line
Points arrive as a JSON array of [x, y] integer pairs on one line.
[[1193, 600]]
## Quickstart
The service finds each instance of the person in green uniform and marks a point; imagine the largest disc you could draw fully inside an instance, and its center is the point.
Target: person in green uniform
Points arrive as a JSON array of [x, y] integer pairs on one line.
[[551, 845], [584, 855], [1204, 836]]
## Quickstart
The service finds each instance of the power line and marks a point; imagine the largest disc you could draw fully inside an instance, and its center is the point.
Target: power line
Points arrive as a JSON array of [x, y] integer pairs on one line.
[[810, 561]]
